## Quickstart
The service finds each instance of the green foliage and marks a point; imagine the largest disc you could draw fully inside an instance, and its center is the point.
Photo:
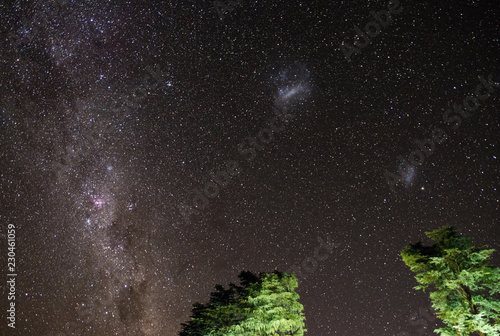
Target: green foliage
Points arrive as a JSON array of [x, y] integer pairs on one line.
[[465, 285], [263, 305]]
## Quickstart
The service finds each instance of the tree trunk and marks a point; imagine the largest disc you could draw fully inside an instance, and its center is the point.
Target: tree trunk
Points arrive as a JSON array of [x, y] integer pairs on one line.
[[472, 307]]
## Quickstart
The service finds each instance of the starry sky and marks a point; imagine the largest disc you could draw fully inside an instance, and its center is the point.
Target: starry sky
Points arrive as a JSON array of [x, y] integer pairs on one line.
[[152, 149]]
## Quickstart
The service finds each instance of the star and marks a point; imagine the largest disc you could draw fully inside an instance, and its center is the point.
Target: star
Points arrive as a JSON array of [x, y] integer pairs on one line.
[[120, 119]]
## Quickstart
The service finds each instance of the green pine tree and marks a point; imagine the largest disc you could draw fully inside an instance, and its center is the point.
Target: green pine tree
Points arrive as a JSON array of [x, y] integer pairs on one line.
[[263, 305], [465, 286], [270, 308]]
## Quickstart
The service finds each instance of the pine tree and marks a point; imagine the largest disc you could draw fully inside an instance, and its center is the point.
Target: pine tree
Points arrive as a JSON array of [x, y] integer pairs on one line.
[[263, 305], [218, 313], [271, 308], [465, 285]]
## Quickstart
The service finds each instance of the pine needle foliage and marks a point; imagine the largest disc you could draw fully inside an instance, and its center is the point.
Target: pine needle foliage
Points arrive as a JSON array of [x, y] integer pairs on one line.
[[263, 305], [464, 287]]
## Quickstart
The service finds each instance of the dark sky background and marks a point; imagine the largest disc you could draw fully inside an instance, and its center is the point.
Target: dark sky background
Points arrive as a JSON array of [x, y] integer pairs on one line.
[[115, 112]]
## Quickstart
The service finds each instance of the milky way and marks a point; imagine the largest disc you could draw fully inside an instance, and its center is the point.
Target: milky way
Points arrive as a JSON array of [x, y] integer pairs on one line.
[[115, 113]]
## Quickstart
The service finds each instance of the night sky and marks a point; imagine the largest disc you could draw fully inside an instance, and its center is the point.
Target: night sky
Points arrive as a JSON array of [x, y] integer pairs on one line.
[[151, 149]]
